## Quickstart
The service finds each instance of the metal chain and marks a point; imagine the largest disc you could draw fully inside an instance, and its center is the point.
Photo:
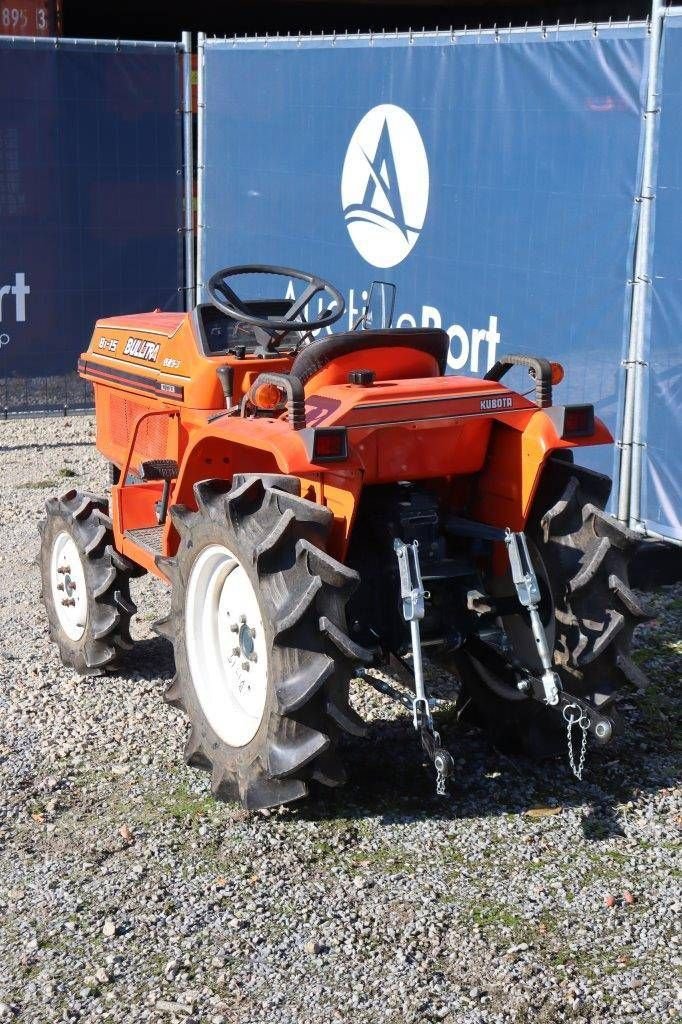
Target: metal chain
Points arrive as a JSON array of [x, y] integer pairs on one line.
[[574, 715], [443, 764]]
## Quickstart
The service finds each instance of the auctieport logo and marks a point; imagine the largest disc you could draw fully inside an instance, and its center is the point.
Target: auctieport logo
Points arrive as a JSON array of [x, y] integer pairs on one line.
[[19, 290], [385, 185], [385, 198]]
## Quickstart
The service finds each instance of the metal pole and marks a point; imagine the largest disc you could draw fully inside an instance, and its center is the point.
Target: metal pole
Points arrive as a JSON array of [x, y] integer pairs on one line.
[[188, 159], [658, 12], [201, 158], [630, 477]]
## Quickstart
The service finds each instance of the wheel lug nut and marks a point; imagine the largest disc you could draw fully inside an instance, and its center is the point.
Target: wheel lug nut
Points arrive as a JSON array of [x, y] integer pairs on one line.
[[234, 628], [245, 666], [236, 651], [68, 601], [242, 618], [252, 631], [60, 586]]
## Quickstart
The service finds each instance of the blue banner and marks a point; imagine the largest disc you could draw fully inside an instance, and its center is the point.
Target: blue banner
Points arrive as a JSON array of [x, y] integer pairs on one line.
[[90, 195], [491, 177], [662, 483]]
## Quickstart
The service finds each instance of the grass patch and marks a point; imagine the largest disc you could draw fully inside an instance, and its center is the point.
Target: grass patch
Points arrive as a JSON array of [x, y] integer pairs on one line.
[[31, 485], [488, 915], [182, 803], [661, 713], [67, 473], [643, 654]]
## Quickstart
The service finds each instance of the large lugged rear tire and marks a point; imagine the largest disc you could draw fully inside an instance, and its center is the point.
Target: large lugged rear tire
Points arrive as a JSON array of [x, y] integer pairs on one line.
[[263, 659], [85, 583], [584, 554]]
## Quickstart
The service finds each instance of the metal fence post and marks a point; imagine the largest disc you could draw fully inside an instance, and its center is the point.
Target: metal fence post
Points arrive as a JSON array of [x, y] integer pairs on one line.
[[630, 477], [188, 158], [201, 158], [639, 430]]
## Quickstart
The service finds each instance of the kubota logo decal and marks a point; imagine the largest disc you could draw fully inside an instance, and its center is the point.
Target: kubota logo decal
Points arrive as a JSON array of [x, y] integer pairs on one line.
[[488, 404], [385, 185], [141, 349]]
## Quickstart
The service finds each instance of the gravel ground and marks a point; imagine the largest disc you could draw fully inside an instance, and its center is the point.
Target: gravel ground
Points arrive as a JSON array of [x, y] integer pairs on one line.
[[126, 894]]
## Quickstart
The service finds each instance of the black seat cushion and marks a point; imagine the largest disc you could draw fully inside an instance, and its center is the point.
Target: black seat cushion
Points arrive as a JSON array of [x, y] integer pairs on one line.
[[314, 357]]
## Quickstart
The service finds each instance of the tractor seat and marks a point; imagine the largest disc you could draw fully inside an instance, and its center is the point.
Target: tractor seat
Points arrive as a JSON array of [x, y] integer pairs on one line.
[[399, 354]]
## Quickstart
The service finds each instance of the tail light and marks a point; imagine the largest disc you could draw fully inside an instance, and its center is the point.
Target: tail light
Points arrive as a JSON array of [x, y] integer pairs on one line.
[[557, 373], [578, 420], [572, 420], [330, 444], [325, 444]]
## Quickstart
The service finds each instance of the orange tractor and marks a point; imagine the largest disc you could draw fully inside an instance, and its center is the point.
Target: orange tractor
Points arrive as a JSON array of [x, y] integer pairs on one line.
[[324, 503]]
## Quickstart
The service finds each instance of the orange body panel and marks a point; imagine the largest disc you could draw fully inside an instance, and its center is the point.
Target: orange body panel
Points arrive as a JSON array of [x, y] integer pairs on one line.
[[411, 424]]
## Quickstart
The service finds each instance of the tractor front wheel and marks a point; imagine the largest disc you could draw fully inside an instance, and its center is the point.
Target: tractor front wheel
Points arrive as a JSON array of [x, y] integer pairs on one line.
[[263, 660], [85, 583]]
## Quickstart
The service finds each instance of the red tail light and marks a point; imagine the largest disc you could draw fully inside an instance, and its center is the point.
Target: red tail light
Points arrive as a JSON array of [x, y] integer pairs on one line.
[[330, 444], [578, 421]]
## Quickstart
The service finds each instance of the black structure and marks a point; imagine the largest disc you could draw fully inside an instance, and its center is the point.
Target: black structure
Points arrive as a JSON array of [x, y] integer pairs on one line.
[[159, 19]]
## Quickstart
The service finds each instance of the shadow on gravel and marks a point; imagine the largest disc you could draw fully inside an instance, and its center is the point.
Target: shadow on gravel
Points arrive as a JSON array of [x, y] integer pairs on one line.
[[600, 823], [153, 656], [389, 779]]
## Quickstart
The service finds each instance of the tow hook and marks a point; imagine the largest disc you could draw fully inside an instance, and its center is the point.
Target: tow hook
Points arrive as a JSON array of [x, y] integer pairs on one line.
[[528, 591], [413, 597]]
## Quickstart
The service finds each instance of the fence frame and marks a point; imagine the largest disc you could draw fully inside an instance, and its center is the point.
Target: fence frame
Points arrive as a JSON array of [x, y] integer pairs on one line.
[[185, 170], [188, 172], [630, 413], [634, 441]]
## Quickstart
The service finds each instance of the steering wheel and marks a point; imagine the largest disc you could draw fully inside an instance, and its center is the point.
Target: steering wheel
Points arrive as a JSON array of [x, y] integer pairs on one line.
[[227, 301]]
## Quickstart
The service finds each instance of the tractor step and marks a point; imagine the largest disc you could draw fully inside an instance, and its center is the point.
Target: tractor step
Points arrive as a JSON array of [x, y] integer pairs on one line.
[[159, 469], [150, 538]]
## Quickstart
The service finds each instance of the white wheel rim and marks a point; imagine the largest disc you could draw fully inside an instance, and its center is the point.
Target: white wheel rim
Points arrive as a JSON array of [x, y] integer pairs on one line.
[[67, 580], [226, 646]]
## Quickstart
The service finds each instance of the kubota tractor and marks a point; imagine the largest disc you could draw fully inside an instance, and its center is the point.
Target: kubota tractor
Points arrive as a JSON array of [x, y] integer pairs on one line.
[[323, 503]]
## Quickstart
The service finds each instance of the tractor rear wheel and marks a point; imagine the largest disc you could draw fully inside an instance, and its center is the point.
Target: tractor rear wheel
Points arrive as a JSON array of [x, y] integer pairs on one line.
[[85, 583], [263, 659], [581, 557]]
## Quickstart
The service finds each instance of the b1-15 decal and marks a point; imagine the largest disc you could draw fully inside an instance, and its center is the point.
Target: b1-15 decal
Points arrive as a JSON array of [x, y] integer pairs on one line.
[[141, 349]]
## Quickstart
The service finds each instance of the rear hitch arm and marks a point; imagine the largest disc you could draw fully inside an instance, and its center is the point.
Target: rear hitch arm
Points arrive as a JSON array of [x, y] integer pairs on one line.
[[601, 726], [413, 596], [528, 591]]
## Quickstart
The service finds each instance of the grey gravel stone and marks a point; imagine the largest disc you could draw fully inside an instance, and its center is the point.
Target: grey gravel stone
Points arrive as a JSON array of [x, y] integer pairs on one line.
[[416, 902]]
